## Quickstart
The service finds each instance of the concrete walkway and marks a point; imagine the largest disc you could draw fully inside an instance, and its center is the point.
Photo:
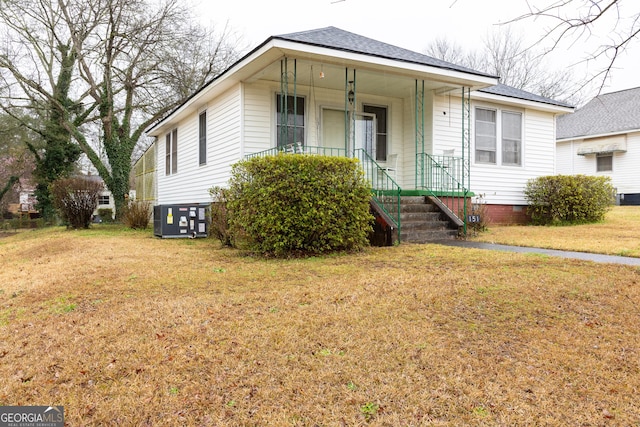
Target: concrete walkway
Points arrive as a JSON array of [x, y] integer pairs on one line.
[[551, 252]]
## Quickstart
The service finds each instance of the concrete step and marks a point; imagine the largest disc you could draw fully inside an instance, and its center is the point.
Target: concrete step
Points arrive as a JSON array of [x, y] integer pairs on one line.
[[411, 226], [420, 216], [428, 236], [422, 221]]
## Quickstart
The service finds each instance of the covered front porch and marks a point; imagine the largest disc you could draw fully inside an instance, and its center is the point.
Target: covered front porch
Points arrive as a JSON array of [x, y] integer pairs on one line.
[[387, 120], [439, 179]]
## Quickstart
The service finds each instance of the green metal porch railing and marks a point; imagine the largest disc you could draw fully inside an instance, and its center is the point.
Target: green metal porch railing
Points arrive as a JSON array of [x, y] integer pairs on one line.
[[300, 149], [385, 192], [441, 177]]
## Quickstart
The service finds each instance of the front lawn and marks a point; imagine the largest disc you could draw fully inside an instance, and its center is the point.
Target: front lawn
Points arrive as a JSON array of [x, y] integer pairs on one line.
[[125, 329], [619, 234]]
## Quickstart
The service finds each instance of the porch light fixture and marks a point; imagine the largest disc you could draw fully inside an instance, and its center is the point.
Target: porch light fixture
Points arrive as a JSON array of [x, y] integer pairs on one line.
[[352, 95]]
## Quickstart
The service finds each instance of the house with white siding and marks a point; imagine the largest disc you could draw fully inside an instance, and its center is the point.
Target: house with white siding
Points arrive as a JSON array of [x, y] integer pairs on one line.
[[421, 127], [603, 139]]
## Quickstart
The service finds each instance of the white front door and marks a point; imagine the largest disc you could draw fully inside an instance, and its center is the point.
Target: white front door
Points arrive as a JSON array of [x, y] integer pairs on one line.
[[333, 129]]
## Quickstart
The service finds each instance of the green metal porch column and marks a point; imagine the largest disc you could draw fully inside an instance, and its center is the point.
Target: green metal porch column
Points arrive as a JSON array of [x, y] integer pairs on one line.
[[349, 111], [466, 149], [419, 134], [284, 100]]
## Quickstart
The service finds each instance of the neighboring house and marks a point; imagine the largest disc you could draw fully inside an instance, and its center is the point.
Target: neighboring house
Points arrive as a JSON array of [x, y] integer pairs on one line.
[[603, 139], [144, 177], [435, 128], [105, 201]]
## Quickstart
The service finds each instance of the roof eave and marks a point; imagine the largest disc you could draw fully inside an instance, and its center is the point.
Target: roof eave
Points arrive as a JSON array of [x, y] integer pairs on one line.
[[221, 82], [415, 69], [525, 103], [599, 135], [274, 47]]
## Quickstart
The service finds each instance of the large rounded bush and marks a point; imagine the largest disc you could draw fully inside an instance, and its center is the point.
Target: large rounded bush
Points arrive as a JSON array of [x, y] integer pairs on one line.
[[292, 204], [570, 199]]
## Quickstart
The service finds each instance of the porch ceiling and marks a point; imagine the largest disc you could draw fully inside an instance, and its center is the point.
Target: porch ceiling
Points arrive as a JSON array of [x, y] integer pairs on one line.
[[370, 81]]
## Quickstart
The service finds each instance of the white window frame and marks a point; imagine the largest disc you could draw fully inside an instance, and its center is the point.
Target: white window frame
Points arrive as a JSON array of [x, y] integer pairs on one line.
[[202, 138], [291, 126], [499, 139], [171, 152]]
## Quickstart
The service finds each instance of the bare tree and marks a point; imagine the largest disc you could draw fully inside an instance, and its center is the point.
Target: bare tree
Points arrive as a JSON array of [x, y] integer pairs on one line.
[[16, 161], [504, 54], [572, 22], [133, 61]]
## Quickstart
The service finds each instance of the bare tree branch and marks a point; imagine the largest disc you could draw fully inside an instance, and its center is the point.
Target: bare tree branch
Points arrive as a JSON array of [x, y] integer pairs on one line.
[[577, 22]]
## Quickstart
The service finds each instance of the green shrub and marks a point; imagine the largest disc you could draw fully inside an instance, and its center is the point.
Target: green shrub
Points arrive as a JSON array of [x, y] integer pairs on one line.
[[76, 198], [219, 221], [137, 215], [106, 214], [569, 199], [293, 204]]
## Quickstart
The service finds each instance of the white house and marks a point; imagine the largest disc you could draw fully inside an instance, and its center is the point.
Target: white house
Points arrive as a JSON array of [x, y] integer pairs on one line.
[[603, 138], [420, 126]]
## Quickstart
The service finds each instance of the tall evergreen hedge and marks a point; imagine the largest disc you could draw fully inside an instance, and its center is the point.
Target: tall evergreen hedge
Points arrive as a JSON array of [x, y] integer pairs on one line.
[[293, 204], [569, 199]]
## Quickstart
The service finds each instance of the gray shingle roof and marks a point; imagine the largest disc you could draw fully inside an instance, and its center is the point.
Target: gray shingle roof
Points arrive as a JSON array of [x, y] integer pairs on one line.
[[604, 114], [335, 38], [512, 92]]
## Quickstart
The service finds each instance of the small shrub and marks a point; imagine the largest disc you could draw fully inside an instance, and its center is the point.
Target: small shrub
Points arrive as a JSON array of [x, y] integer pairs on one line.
[[477, 207], [76, 198], [219, 227], [569, 199], [106, 214], [137, 215], [293, 204]]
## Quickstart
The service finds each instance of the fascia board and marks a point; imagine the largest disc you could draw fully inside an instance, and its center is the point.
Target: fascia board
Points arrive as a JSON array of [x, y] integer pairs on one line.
[[400, 67], [599, 135], [523, 103]]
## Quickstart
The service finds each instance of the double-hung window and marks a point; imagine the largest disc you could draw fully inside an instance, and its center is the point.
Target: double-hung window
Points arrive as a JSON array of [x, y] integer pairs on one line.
[[498, 137], [511, 138], [171, 152], [485, 135], [290, 126]]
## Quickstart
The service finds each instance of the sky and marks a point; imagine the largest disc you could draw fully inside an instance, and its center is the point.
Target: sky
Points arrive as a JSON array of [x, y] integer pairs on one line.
[[411, 24]]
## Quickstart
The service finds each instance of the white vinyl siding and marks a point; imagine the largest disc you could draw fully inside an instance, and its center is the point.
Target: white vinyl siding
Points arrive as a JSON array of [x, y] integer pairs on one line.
[[624, 163], [504, 184], [565, 158], [258, 107], [499, 184], [625, 166], [192, 183]]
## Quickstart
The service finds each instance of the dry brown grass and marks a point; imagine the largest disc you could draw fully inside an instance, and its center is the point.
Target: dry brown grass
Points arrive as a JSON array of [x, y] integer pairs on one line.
[[125, 329], [619, 234]]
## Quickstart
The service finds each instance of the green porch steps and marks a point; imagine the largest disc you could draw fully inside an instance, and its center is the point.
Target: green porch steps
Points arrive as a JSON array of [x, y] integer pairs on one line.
[[423, 222]]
